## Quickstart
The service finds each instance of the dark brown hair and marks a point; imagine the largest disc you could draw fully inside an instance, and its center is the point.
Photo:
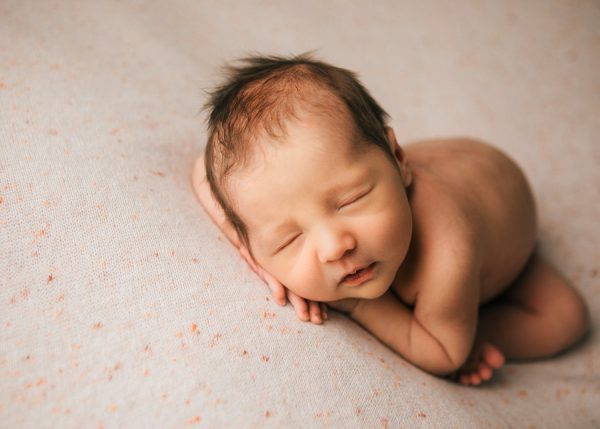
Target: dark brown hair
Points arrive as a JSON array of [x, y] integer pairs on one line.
[[259, 95]]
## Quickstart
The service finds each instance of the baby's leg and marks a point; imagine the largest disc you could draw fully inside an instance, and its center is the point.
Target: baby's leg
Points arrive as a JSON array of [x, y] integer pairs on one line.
[[540, 315]]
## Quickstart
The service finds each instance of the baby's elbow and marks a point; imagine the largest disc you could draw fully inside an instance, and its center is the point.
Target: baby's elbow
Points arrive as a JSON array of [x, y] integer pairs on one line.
[[444, 367], [442, 364]]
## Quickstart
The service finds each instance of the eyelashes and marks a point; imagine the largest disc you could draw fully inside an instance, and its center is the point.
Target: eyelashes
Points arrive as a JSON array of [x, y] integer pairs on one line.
[[355, 199], [287, 243]]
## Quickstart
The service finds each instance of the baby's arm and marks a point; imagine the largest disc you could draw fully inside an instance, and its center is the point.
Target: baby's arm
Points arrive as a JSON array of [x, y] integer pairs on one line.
[[305, 309], [438, 334]]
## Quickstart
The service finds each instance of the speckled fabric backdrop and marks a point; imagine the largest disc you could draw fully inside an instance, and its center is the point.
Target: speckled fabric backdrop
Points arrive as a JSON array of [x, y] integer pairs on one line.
[[121, 305]]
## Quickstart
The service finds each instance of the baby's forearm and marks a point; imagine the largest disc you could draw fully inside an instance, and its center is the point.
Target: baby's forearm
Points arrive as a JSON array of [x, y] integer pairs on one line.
[[395, 325]]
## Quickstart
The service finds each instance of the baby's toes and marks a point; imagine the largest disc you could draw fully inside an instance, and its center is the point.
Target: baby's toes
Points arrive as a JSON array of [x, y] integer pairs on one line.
[[492, 356], [464, 379], [475, 379], [485, 372]]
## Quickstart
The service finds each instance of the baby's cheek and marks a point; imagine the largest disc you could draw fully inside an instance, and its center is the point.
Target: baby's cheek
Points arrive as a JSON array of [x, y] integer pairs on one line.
[[286, 270], [304, 280]]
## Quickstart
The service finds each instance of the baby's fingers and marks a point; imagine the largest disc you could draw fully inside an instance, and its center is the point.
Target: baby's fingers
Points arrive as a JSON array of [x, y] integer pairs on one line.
[[277, 289], [299, 304], [324, 311], [315, 312]]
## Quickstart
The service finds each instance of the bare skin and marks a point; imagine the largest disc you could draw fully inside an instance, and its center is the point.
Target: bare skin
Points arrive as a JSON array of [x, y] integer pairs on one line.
[[471, 292]]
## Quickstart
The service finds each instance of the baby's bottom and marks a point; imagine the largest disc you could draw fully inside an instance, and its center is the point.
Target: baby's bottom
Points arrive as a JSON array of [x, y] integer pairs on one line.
[[539, 315]]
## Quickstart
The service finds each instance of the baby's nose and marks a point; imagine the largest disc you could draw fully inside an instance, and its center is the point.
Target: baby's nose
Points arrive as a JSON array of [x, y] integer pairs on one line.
[[334, 243]]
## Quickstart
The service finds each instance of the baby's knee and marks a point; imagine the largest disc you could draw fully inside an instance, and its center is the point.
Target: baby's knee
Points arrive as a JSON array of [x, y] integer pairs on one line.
[[574, 317]]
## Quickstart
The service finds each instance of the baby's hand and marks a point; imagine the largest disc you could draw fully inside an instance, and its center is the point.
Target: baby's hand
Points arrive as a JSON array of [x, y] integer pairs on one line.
[[481, 363], [306, 310]]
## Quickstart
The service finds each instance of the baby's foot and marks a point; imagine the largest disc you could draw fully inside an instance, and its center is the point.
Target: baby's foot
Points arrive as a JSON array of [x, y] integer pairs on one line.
[[480, 365]]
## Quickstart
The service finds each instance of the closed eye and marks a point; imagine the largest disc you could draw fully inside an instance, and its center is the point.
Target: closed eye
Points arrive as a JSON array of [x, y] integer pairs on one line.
[[287, 243], [355, 199]]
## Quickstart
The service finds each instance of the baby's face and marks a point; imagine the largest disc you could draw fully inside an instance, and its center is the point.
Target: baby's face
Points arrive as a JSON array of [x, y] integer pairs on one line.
[[317, 209]]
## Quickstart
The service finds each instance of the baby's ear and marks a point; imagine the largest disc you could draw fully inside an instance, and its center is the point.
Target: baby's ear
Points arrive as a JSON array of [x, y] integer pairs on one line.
[[399, 155]]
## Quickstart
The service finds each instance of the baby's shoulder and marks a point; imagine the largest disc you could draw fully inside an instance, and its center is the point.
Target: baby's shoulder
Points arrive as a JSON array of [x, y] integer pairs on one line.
[[468, 171], [448, 152], [470, 196]]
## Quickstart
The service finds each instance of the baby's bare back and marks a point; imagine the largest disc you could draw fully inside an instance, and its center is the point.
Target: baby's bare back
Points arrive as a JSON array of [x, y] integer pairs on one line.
[[474, 181]]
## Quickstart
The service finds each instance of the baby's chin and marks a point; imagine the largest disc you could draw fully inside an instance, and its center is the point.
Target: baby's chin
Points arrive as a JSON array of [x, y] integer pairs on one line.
[[362, 292], [367, 292]]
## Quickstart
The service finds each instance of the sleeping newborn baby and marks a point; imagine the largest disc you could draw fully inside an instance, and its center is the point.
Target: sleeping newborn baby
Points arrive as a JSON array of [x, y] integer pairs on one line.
[[428, 246]]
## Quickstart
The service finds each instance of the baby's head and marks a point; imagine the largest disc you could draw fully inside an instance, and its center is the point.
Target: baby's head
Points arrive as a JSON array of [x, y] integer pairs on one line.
[[301, 161]]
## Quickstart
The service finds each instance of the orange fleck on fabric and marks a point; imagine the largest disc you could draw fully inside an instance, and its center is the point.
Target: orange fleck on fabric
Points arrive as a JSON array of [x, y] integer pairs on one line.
[[265, 358], [40, 382], [385, 422], [52, 132], [193, 327], [50, 277], [522, 393], [196, 420], [146, 371], [158, 173], [214, 341], [2, 85], [97, 325], [267, 413], [1, 199], [114, 131], [195, 260], [179, 334], [422, 415]]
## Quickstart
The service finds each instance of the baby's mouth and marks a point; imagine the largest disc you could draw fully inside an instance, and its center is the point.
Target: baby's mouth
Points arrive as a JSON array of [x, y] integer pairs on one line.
[[359, 276]]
